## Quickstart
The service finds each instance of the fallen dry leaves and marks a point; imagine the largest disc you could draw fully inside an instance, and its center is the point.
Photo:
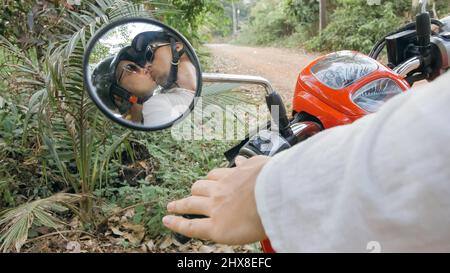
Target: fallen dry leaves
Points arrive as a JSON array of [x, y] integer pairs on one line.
[[122, 235]]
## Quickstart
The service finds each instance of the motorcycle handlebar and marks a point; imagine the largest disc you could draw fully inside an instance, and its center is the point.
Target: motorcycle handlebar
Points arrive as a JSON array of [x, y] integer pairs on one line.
[[408, 66], [423, 29], [242, 79]]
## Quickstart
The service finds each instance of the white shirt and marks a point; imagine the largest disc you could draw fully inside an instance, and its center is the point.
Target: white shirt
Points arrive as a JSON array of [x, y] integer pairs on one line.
[[383, 180], [166, 107]]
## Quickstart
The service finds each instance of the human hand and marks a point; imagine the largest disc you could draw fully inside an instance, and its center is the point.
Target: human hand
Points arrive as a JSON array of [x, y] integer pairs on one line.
[[227, 197]]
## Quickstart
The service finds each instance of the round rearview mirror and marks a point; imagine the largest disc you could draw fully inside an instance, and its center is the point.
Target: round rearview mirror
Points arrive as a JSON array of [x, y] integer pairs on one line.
[[142, 74]]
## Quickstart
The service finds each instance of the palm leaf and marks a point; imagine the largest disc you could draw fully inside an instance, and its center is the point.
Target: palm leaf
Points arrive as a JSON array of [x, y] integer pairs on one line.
[[70, 126], [15, 223]]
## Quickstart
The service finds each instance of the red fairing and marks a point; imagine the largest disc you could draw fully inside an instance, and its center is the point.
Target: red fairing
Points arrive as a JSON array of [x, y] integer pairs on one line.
[[330, 87], [340, 88], [267, 247]]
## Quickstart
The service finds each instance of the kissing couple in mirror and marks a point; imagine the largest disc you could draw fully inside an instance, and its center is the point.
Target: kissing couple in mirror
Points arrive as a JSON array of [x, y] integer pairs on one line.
[[150, 82]]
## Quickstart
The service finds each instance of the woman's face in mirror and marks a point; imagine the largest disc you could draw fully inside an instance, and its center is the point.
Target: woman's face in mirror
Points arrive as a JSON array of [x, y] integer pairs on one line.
[[135, 79]]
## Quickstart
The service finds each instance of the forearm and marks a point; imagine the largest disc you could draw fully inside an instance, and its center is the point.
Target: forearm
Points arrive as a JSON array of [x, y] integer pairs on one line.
[[375, 180]]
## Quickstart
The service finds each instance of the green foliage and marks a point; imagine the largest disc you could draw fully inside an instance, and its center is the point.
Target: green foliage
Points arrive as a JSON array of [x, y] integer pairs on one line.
[[353, 24], [49, 126], [302, 11], [265, 24], [151, 199], [15, 11], [21, 177], [179, 164], [188, 16], [268, 22], [52, 137], [275, 22], [16, 223], [356, 26], [221, 25]]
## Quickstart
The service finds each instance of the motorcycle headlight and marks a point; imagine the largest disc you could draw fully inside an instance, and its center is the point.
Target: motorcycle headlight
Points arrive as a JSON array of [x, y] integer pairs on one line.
[[373, 95]]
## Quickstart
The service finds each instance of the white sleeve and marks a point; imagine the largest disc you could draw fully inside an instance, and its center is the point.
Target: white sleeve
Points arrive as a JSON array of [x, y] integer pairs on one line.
[[384, 179], [157, 111], [166, 107]]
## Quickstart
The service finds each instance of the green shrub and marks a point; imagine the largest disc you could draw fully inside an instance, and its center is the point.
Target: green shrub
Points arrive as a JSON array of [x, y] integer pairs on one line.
[[304, 13], [267, 23], [353, 24], [53, 139], [356, 26]]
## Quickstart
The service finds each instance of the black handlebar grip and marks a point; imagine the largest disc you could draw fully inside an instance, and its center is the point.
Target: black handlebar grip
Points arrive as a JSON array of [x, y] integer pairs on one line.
[[423, 29], [184, 239], [280, 118]]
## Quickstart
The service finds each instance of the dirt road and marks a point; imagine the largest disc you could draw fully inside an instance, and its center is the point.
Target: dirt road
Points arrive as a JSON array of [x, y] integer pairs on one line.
[[280, 66]]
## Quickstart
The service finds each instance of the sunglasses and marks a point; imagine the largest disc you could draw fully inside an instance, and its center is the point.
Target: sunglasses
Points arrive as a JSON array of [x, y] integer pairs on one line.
[[130, 68], [151, 49]]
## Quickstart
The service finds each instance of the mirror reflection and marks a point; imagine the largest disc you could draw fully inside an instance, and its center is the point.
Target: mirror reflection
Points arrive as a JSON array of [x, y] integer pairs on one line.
[[143, 74]]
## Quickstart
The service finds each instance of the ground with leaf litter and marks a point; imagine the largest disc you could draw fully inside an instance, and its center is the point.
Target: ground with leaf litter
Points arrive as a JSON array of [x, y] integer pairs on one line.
[[120, 235]]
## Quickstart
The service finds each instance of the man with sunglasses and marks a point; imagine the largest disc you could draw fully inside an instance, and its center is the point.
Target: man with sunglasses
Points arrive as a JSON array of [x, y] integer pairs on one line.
[[171, 66], [172, 69]]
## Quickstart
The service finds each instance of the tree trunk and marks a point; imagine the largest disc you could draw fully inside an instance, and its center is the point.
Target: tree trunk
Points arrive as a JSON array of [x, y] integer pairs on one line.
[[430, 5], [435, 14], [233, 7], [323, 15], [86, 206]]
